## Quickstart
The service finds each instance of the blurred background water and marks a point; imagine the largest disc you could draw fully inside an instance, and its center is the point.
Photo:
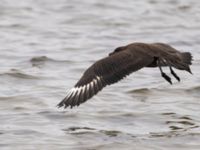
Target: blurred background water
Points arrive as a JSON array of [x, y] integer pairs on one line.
[[45, 46]]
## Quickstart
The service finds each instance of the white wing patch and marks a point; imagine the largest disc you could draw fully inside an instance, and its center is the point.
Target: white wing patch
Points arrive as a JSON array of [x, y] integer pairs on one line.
[[74, 93], [92, 83], [95, 81], [98, 78], [83, 87], [88, 87], [79, 90]]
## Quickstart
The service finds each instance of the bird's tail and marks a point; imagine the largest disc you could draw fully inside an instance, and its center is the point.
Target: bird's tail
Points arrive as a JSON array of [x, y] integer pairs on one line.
[[185, 62], [187, 58]]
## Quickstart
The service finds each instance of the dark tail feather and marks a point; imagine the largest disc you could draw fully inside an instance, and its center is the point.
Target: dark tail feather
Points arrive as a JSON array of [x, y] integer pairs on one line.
[[187, 58], [184, 64]]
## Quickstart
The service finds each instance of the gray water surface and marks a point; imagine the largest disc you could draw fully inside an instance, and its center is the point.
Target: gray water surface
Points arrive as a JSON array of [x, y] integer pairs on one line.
[[45, 47]]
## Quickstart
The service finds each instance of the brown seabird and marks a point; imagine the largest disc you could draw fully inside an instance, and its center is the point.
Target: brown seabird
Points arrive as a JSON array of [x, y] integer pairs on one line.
[[123, 61]]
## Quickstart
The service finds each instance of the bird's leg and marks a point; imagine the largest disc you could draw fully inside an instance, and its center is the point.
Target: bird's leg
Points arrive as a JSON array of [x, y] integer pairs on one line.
[[174, 74], [166, 77]]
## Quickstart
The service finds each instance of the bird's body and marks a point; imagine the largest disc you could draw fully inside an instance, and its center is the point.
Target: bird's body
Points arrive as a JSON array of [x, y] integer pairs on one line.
[[120, 63]]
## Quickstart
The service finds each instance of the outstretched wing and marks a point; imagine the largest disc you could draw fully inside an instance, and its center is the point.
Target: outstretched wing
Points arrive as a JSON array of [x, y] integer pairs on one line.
[[105, 72]]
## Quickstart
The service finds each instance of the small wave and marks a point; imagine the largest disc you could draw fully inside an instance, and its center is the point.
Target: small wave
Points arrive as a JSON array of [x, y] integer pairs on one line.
[[85, 130], [78, 128], [111, 133], [181, 122], [185, 118], [184, 7], [164, 134], [45, 59], [168, 113], [194, 89], [41, 60], [18, 74], [141, 90], [175, 131]]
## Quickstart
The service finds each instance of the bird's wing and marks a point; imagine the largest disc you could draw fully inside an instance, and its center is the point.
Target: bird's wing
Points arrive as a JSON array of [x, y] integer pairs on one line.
[[105, 72]]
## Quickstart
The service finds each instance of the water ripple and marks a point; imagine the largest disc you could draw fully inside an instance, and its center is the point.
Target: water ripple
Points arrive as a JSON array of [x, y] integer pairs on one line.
[[46, 46], [18, 74]]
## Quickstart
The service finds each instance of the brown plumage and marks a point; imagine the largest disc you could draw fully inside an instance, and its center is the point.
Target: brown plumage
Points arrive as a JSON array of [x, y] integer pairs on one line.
[[120, 63]]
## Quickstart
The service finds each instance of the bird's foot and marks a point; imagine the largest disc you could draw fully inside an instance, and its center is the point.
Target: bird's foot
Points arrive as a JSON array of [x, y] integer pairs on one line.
[[175, 75], [166, 77]]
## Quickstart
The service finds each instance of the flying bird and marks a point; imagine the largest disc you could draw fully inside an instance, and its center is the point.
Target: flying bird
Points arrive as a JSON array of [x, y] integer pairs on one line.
[[123, 61]]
